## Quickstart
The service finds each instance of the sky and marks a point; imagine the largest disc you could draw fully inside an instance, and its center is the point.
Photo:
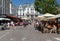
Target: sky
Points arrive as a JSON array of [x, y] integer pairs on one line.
[[18, 2], [58, 1]]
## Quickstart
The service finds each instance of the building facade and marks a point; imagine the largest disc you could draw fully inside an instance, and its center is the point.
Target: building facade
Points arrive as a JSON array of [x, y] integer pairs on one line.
[[27, 10], [13, 9], [4, 6], [20, 12]]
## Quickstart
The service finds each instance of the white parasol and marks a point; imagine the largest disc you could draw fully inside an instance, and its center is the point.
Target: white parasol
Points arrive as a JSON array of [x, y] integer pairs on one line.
[[40, 18], [48, 15]]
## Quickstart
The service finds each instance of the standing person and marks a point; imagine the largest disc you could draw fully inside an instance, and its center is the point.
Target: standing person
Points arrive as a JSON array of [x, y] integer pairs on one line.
[[53, 29], [12, 25], [25, 23], [4, 26], [36, 25], [42, 25], [8, 25], [29, 22]]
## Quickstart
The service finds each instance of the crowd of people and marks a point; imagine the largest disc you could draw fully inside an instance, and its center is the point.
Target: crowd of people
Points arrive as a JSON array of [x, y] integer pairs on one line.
[[7, 25], [12, 24], [43, 26]]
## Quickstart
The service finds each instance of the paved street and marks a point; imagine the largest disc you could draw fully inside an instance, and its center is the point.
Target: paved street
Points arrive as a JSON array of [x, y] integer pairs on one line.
[[27, 34]]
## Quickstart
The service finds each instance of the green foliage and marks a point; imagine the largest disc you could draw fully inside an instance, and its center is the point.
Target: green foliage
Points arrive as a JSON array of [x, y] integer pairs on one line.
[[46, 6]]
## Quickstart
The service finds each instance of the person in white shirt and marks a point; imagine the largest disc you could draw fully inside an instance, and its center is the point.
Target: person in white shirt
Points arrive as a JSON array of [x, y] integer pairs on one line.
[[53, 29], [12, 24], [8, 24]]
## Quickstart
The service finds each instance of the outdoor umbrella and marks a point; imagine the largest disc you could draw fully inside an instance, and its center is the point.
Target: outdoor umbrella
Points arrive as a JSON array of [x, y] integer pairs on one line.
[[54, 17], [40, 18], [48, 15]]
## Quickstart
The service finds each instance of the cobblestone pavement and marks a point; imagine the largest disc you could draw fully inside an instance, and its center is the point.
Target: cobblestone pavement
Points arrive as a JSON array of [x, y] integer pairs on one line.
[[28, 33]]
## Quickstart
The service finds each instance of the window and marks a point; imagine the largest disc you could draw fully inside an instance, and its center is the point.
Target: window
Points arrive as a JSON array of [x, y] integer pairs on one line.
[[31, 16], [31, 9], [27, 8], [27, 12], [36, 15], [27, 15]]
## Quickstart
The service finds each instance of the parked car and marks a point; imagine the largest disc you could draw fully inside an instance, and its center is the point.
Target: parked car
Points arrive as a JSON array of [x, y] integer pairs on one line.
[[19, 23]]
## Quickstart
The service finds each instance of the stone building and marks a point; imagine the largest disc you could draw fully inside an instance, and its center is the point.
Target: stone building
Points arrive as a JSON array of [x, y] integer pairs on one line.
[[4, 7], [27, 10]]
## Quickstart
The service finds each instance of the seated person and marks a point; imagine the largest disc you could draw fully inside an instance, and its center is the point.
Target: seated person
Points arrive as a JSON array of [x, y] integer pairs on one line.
[[53, 29]]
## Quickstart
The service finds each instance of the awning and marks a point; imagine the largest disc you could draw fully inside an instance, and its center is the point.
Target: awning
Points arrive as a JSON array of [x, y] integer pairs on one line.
[[13, 17], [4, 19]]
